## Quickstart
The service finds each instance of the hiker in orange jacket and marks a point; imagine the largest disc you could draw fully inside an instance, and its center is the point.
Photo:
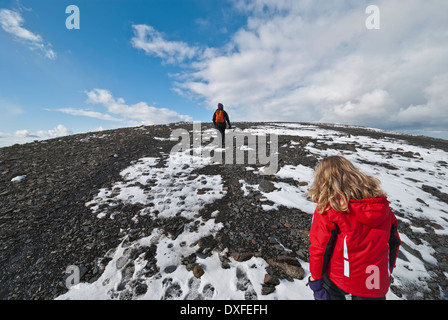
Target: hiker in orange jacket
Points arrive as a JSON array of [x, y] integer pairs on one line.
[[220, 118]]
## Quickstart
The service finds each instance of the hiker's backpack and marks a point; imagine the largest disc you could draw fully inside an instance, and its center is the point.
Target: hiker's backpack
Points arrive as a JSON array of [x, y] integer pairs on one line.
[[220, 116]]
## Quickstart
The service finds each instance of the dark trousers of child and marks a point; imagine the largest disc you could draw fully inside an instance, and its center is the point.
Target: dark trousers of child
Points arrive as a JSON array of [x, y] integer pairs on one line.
[[335, 293]]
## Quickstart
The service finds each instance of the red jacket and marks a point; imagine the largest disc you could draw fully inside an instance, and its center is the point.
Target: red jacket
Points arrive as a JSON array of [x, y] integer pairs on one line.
[[357, 249]]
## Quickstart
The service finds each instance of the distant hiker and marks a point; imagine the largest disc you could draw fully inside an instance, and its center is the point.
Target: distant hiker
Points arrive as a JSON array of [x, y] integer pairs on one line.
[[354, 238], [220, 118]]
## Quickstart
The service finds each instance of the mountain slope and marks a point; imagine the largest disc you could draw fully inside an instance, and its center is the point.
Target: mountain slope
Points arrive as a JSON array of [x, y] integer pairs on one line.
[[138, 221]]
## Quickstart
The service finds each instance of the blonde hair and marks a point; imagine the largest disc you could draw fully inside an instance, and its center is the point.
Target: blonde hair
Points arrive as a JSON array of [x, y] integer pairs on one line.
[[337, 180]]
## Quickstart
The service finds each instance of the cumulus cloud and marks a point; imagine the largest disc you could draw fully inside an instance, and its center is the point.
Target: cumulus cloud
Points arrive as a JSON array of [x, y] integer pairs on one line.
[[117, 110], [317, 61], [59, 131], [12, 22], [137, 114], [25, 134]]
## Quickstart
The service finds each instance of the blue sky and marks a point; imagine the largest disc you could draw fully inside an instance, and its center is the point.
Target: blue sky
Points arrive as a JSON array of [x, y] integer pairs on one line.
[[138, 62]]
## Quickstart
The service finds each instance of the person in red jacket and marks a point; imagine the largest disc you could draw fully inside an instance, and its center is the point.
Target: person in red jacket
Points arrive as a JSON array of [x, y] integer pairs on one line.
[[354, 234]]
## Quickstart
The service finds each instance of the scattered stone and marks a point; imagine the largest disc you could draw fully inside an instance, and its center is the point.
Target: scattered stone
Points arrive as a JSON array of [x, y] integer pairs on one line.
[[271, 280], [294, 271], [266, 186], [241, 256], [170, 269], [121, 262], [289, 265], [198, 270], [266, 289]]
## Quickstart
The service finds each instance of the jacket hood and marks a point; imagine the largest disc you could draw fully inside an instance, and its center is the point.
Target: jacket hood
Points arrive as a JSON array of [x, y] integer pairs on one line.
[[371, 212]]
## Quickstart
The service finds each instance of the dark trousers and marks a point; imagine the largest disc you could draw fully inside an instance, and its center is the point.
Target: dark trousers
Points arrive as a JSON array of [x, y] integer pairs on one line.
[[335, 293], [221, 127]]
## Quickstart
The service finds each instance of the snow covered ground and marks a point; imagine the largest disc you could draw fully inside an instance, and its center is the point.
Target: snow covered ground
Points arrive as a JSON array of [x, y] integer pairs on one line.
[[167, 188]]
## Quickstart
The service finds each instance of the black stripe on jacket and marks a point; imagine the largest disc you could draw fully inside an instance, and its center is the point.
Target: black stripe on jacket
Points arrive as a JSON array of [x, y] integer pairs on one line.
[[394, 243], [329, 249]]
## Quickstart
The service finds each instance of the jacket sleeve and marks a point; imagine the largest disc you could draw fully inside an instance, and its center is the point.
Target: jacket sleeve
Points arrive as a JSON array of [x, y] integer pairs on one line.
[[394, 242], [226, 117], [214, 117], [322, 237]]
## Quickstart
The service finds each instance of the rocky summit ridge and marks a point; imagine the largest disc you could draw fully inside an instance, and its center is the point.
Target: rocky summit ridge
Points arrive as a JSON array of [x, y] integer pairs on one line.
[[47, 224]]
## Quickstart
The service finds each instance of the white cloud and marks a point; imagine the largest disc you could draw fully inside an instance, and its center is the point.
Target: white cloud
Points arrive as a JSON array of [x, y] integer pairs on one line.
[[59, 131], [435, 110], [316, 61], [137, 114], [152, 42], [88, 113], [117, 110], [12, 22], [100, 128], [25, 134]]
